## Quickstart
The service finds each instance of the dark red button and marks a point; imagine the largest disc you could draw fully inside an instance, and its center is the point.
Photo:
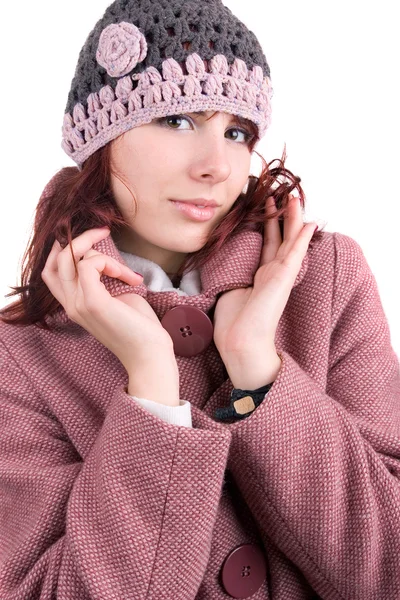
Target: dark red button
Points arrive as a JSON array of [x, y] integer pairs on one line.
[[190, 328], [244, 571]]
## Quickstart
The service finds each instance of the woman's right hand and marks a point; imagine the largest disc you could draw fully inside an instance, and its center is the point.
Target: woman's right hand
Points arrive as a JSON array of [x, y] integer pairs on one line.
[[126, 324]]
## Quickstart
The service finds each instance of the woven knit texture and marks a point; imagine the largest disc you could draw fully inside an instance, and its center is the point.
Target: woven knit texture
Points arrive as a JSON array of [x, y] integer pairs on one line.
[[147, 59], [101, 500]]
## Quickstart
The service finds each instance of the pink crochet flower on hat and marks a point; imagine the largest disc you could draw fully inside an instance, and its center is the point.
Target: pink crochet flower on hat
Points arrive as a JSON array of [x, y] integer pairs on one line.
[[121, 47]]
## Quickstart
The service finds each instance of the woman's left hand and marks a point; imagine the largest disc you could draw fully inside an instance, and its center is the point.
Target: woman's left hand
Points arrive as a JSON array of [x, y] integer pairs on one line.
[[246, 319]]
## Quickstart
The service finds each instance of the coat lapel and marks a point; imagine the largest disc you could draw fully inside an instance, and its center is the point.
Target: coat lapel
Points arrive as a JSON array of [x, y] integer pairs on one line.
[[234, 266]]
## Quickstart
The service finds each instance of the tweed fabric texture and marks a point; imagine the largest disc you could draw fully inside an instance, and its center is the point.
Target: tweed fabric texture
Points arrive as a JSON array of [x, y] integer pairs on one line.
[[100, 499], [146, 59]]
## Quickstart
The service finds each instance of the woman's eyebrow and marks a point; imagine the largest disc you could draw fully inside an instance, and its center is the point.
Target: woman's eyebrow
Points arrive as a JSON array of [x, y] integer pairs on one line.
[[196, 113], [234, 118]]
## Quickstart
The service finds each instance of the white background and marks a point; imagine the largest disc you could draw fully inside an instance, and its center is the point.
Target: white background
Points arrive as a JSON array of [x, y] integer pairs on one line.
[[334, 69]]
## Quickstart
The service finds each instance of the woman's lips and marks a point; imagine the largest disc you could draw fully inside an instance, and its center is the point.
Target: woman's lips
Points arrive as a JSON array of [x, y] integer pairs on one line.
[[194, 212]]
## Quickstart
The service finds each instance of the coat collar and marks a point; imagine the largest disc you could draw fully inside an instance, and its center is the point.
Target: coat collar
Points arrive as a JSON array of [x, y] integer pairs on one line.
[[234, 266]]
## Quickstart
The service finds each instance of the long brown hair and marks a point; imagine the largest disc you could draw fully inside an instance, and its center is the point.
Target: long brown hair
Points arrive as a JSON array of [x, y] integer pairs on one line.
[[75, 201]]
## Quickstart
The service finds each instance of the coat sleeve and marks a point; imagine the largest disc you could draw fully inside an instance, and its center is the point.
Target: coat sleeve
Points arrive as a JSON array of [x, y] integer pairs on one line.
[[119, 524], [320, 468]]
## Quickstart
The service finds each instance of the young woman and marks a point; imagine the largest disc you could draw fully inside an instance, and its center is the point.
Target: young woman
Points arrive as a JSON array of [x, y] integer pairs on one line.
[[198, 394]]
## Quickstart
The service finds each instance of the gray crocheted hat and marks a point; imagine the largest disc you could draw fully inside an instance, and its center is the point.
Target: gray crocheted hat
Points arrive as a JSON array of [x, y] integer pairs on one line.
[[147, 59]]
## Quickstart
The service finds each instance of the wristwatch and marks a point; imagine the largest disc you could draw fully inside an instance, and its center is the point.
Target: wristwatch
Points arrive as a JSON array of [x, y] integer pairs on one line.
[[242, 403]]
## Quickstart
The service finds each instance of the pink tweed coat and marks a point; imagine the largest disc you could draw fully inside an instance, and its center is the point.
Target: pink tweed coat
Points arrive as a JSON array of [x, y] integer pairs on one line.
[[102, 500]]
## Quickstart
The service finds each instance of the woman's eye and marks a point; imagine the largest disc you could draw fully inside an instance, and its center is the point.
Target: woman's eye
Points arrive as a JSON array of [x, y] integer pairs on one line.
[[170, 118], [246, 136], [169, 121]]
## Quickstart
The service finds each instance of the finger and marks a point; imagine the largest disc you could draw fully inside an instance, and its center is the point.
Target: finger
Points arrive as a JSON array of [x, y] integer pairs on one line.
[[51, 262], [91, 288], [295, 255], [122, 271], [293, 221], [272, 233], [50, 273], [79, 245]]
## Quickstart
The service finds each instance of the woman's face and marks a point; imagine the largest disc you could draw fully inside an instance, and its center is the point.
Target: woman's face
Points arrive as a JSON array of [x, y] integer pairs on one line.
[[177, 158]]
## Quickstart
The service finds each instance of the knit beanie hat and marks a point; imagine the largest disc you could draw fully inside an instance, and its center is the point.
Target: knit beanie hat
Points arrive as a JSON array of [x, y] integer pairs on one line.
[[147, 59]]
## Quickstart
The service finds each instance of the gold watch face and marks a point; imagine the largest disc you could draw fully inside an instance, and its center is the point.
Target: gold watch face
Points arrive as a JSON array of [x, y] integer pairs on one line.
[[244, 405]]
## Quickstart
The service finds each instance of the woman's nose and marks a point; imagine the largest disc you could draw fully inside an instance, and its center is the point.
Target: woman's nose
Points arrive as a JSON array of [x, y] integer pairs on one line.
[[211, 159]]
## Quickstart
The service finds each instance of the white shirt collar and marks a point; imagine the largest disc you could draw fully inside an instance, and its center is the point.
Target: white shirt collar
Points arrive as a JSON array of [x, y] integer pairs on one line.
[[156, 279]]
